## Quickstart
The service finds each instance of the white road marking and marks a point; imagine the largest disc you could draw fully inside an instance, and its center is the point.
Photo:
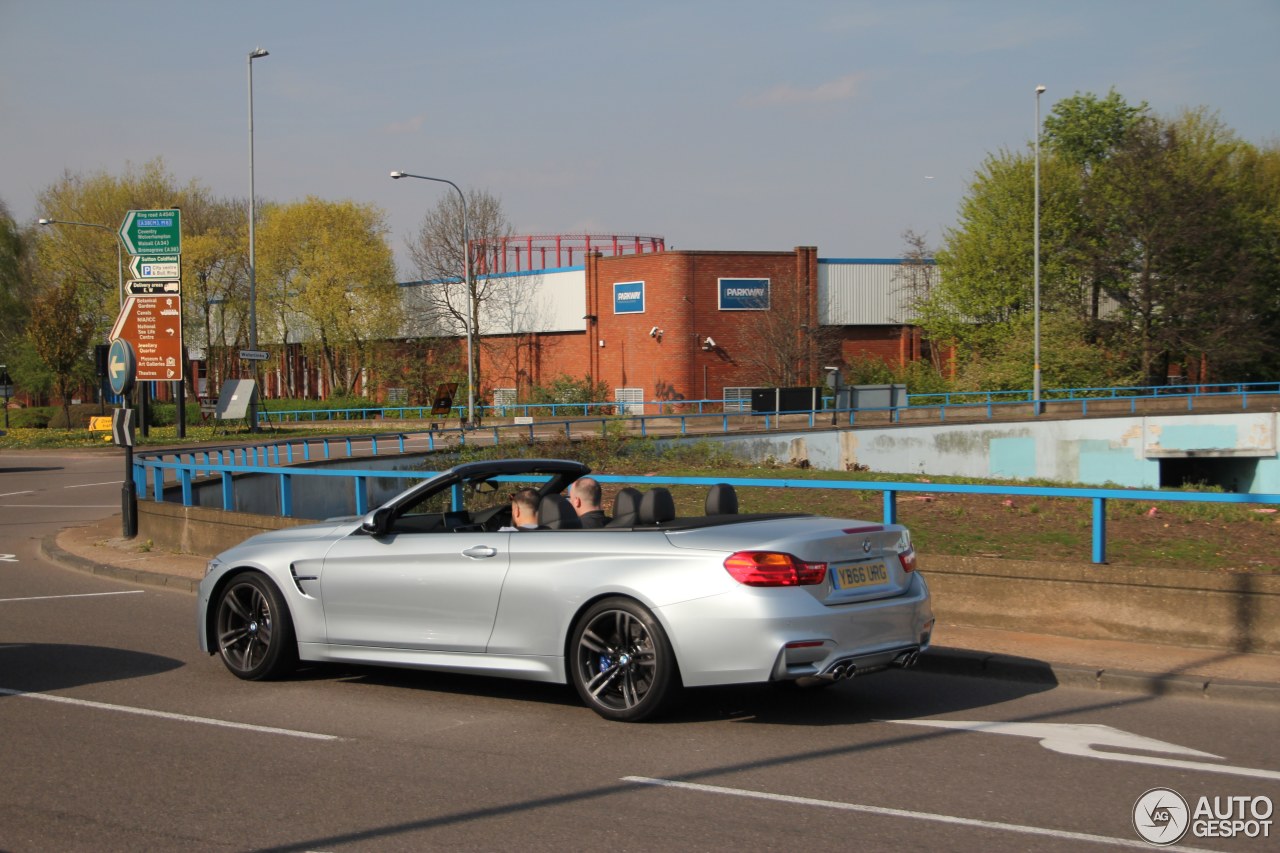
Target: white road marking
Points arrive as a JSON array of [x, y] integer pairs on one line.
[[87, 485], [1062, 834], [8, 558], [165, 715], [11, 494], [76, 595], [1076, 739]]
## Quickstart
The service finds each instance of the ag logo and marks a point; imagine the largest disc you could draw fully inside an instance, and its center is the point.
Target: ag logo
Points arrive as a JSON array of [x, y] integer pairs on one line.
[[1161, 816]]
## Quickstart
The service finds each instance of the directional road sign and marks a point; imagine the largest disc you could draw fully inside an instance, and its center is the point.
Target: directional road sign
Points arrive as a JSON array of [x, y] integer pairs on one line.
[[154, 286], [254, 355], [152, 232], [153, 325], [121, 366], [122, 427], [156, 266]]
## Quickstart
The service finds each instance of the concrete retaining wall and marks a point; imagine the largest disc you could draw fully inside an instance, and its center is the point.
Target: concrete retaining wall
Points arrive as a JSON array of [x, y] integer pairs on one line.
[[1231, 612], [1236, 612], [200, 530]]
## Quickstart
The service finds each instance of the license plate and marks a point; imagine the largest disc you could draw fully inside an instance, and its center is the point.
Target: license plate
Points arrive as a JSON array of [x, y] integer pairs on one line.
[[868, 573]]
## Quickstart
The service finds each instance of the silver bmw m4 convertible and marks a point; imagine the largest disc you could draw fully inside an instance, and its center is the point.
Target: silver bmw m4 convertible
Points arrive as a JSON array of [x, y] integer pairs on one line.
[[630, 613]]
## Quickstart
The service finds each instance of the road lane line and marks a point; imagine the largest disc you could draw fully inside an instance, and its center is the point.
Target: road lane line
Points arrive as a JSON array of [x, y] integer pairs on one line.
[[165, 715], [1062, 834], [87, 485], [75, 595], [11, 494]]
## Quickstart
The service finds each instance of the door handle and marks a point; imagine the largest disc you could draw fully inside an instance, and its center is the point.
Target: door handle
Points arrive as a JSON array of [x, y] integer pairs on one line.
[[480, 551]]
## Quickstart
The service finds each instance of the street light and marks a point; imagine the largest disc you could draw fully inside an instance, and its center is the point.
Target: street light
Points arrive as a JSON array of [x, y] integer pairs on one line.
[[466, 280], [256, 53], [119, 257], [1035, 379]]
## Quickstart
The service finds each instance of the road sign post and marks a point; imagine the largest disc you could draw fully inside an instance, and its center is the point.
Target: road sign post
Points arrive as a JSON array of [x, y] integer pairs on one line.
[[121, 367], [6, 391]]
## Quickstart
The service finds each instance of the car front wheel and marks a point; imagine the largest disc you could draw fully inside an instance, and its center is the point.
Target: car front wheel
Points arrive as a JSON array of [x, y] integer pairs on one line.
[[621, 661], [255, 635]]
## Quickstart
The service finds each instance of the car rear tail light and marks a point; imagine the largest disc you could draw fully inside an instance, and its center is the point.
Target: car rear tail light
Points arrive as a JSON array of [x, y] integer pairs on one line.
[[773, 568], [908, 559]]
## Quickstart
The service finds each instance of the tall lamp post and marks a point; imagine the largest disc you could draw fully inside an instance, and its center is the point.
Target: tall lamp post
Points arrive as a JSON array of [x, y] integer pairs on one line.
[[119, 256], [1035, 380], [466, 280], [256, 53]]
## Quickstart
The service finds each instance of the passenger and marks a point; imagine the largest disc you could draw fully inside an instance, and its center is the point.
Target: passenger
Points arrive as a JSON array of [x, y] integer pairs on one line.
[[584, 494], [524, 511]]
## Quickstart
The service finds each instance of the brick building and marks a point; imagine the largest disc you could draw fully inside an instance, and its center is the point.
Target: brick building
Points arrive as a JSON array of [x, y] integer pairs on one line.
[[687, 325]]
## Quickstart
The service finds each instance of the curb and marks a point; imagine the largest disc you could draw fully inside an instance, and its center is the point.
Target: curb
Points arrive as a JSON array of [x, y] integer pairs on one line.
[[969, 662], [50, 550]]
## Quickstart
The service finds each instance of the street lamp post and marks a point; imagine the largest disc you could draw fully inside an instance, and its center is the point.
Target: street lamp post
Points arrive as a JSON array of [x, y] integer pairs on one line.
[[119, 256], [256, 53], [466, 280], [1035, 379]]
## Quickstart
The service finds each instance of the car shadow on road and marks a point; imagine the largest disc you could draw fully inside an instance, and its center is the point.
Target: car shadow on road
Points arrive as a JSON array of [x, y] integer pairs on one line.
[[44, 667], [895, 694]]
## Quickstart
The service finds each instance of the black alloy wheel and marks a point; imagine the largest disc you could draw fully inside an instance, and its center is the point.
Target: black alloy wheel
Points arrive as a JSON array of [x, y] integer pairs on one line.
[[621, 661], [254, 633]]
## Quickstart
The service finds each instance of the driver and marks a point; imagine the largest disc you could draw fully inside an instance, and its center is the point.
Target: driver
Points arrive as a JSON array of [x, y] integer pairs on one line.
[[524, 511]]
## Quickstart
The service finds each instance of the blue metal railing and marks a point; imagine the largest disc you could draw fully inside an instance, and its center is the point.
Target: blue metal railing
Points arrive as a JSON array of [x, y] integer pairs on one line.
[[189, 465], [943, 400]]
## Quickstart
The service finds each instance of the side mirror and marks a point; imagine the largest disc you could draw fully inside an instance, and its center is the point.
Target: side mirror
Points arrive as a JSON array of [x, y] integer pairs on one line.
[[375, 523]]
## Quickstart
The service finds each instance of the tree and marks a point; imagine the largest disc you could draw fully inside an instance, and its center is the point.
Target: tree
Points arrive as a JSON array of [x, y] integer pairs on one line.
[[917, 279], [1160, 246], [439, 253], [15, 284], [215, 285], [1086, 131], [787, 350], [1187, 290], [326, 275], [986, 264], [60, 331]]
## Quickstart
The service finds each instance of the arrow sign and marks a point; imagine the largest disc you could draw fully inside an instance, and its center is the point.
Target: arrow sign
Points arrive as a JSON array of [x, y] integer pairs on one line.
[[122, 427], [152, 232], [153, 287], [1084, 740], [121, 367], [156, 266]]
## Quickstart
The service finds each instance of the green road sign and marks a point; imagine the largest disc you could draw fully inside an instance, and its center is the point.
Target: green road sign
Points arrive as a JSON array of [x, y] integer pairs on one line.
[[152, 232]]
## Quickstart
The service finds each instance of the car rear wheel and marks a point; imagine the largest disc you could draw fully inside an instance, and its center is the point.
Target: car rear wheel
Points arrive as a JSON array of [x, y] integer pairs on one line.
[[621, 661], [255, 635]]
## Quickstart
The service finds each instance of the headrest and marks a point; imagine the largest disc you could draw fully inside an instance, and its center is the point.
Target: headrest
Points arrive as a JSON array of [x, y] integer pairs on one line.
[[626, 508], [722, 500], [556, 513], [657, 506]]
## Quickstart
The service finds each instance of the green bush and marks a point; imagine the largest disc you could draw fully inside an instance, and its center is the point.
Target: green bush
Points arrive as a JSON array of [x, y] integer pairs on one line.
[[32, 417], [80, 414]]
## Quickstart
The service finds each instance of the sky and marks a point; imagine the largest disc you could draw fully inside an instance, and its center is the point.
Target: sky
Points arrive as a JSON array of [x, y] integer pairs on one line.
[[716, 124]]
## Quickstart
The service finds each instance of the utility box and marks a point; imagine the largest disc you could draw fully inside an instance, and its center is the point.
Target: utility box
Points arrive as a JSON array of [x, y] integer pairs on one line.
[[773, 400], [878, 396]]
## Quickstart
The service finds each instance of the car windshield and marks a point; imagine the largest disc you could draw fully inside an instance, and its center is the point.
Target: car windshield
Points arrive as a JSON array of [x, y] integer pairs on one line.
[[474, 495]]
